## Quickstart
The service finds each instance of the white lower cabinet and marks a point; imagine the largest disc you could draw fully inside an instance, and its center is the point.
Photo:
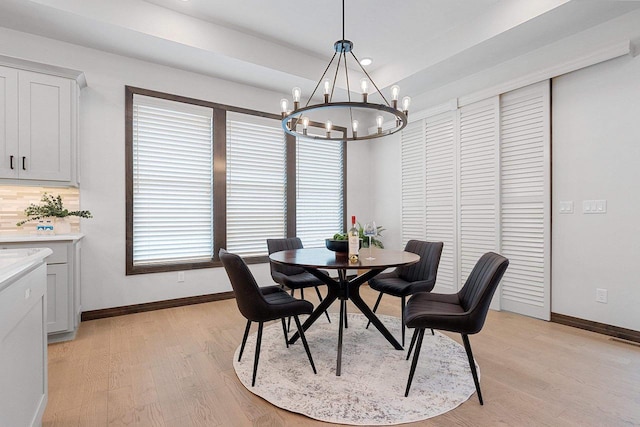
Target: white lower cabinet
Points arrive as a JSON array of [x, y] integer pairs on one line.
[[23, 349], [57, 298], [63, 284]]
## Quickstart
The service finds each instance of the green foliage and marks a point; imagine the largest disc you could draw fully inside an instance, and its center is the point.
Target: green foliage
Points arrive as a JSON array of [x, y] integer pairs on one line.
[[51, 207], [374, 241], [365, 239]]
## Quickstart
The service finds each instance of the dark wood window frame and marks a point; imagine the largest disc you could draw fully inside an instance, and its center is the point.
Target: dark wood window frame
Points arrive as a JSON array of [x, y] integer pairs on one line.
[[219, 180]]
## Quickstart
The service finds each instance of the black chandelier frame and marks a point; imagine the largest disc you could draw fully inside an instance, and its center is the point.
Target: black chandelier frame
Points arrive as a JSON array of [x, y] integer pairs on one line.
[[291, 121]]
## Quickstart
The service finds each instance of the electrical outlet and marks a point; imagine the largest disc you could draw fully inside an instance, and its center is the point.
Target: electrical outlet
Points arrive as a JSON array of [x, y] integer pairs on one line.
[[601, 295], [180, 276]]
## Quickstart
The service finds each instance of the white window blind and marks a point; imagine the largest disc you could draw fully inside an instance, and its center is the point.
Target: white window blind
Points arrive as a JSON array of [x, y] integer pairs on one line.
[[479, 183], [413, 182], [525, 181], [441, 182], [256, 183], [172, 181], [320, 188]]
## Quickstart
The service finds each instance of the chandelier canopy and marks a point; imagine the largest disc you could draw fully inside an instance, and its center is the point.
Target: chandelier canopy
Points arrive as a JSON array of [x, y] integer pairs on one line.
[[297, 121]]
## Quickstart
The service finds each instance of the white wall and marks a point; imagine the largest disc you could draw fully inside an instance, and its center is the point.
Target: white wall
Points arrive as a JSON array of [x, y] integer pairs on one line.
[[102, 189], [386, 180], [596, 155]]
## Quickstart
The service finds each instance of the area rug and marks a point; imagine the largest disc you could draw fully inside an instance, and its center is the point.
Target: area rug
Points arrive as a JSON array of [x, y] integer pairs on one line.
[[370, 390]]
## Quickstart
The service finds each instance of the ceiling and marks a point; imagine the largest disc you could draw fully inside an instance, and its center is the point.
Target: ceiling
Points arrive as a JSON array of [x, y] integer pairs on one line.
[[276, 44]]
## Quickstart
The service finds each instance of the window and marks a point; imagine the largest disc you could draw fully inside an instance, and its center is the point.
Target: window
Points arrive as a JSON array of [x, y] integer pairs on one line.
[[320, 189], [172, 182], [256, 183], [203, 176]]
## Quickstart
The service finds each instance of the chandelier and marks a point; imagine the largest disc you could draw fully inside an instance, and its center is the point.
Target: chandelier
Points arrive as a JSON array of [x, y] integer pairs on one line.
[[389, 119]]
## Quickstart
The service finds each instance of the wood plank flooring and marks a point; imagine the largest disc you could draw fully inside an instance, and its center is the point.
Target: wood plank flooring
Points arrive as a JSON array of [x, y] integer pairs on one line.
[[173, 367]]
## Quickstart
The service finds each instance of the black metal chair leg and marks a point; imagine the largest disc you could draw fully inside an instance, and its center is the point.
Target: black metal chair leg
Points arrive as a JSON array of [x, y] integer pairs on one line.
[[375, 307], [472, 365], [415, 361], [432, 333], [257, 356], [413, 341], [289, 320], [304, 343], [244, 338], [404, 301], [326, 313], [284, 329]]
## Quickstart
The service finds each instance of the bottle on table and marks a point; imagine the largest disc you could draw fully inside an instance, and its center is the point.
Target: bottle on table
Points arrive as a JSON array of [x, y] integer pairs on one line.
[[354, 240]]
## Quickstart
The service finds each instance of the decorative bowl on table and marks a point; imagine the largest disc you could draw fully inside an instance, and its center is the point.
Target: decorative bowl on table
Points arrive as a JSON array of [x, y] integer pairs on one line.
[[339, 246]]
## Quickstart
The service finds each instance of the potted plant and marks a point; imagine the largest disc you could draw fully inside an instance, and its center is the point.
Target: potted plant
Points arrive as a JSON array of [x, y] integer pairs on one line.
[[51, 207], [374, 241]]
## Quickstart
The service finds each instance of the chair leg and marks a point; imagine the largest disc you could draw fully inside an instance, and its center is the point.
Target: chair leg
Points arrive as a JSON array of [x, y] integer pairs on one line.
[[289, 320], [257, 356], [413, 341], [432, 333], [375, 307], [404, 301], [326, 313], [472, 365], [244, 339], [304, 343], [415, 361], [284, 329]]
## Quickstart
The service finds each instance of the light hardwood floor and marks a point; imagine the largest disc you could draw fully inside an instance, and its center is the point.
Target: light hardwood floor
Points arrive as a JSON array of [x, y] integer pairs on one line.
[[173, 367]]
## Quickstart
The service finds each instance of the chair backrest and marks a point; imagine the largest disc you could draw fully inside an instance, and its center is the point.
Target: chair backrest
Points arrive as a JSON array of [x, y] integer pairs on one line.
[[277, 245], [475, 296], [427, 267], [250, 301]]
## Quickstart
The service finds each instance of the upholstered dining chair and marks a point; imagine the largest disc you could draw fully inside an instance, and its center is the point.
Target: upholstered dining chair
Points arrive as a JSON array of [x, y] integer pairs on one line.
[[262, 305], [406, 281], [291, 277], [464, 312]]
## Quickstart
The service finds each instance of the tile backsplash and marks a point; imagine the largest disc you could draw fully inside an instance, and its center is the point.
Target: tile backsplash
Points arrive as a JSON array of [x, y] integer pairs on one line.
[[15, 199]]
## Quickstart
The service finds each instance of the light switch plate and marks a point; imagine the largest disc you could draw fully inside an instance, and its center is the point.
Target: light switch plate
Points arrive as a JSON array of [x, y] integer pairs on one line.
[[594, 206], [566, 207]]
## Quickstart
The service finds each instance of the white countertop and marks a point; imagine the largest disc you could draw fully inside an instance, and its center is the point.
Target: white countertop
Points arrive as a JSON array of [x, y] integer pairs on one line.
[[15, 261], [21, 238]]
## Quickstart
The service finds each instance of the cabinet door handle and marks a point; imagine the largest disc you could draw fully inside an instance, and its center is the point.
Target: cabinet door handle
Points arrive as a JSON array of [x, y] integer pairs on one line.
[[24, 166], [11, 161]]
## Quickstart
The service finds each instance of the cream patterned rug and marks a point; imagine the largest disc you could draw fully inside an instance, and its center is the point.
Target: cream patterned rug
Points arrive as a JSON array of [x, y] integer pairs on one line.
[[370, 390]]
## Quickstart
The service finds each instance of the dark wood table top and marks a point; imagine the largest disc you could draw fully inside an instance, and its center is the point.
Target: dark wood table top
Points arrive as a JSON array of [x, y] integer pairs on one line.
[[324, 258]]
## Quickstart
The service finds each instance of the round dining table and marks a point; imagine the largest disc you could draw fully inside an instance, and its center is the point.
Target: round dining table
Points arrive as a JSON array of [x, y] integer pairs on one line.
[[345, 287]]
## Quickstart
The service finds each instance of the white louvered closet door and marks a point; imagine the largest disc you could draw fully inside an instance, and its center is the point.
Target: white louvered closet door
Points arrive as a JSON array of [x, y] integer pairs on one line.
[[525, 197], [479, 184], [413, 182], [441, 183]]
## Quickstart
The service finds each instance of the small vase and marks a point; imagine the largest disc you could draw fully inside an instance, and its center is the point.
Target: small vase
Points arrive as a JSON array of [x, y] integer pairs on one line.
[[62, 226]]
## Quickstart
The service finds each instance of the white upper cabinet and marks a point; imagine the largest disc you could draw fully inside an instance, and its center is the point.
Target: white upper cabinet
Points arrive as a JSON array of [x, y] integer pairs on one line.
[[38, 127]]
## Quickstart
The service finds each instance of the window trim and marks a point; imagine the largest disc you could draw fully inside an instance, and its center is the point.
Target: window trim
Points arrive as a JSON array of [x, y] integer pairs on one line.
[[219, 180]]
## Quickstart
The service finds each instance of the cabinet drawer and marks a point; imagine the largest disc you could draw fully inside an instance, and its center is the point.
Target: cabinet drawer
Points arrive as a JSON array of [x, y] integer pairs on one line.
[[59, 255]]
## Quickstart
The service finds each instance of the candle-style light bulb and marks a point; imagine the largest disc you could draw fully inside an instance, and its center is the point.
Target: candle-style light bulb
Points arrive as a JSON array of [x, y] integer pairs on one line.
[[328, 125], [305, 124], [284, 106], [379, 121], [327, 90], [395, 91], [354, 128], [296, 92], [406, 101], [364, 86]]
